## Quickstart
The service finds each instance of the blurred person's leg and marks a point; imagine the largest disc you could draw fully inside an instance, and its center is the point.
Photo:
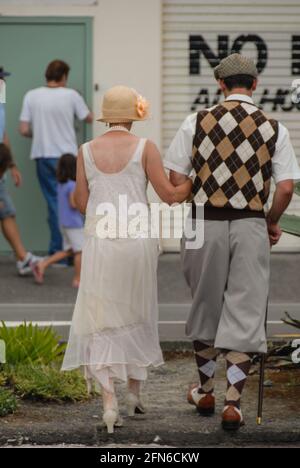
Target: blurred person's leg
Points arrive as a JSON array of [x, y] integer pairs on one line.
[[12, 235], [8, 223], [46, 171], [39, 268], [77, 265], [11, 232]]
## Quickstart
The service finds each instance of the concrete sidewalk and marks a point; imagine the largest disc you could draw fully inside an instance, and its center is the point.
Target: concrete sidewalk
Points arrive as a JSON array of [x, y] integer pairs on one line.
[[170, 420]]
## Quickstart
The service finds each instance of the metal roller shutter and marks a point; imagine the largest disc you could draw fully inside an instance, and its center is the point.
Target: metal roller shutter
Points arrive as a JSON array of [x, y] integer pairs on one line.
[[197, 33]]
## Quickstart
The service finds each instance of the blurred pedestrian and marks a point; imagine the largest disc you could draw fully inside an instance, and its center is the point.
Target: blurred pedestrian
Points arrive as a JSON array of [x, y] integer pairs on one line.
[[70, 221], [47, 117], [7, 210]]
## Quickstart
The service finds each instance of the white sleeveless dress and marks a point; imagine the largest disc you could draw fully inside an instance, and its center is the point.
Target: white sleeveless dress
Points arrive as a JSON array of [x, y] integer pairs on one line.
[[114, 332]]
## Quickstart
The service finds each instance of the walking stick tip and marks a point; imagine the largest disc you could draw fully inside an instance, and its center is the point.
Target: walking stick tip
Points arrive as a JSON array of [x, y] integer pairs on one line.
[[259, 421]]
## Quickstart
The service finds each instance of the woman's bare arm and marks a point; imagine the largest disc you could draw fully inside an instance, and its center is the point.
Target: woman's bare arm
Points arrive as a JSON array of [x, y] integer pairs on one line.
[[158, 178], [82, 193]]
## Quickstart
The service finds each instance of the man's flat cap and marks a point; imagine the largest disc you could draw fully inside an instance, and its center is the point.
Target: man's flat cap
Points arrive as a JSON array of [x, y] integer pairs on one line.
[[235, 64]]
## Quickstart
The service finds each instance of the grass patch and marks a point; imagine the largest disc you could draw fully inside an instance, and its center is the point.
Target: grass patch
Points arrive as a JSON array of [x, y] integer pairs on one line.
[[28, 344], [32, 369], [8, 402], [46, 383]]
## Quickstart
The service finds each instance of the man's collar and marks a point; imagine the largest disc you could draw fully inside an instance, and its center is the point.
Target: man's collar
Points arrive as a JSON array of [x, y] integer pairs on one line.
[[240, 97]]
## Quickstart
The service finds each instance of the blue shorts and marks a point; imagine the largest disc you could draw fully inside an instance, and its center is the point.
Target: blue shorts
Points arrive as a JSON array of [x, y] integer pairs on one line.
[[7, 209]]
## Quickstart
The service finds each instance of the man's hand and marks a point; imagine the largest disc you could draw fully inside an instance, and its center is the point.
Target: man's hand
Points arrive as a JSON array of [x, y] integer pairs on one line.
[[25, 129], [16, 176], [282, 198], [275, 232]]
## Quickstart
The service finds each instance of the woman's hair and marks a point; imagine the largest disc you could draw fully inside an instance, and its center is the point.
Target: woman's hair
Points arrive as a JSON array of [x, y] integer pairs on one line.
[[56, 70], [5, 158], [66, 169]]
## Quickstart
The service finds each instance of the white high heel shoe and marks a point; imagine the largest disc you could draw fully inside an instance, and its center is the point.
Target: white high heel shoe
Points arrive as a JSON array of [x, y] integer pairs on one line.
[[134, 405], [112, 419], [111, 415]]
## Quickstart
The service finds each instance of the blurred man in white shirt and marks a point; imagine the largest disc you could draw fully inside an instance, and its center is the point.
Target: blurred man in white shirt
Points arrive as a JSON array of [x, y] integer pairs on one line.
[[48, 115]]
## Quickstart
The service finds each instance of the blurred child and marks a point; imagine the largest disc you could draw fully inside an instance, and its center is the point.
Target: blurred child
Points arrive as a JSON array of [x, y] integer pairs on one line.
[[8, 217], [70, 220]]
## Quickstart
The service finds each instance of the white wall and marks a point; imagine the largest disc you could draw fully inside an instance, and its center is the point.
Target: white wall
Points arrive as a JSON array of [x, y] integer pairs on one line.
[[127, 49]]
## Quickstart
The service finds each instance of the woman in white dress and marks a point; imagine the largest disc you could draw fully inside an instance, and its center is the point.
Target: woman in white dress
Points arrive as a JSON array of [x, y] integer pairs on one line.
[[114, 334]]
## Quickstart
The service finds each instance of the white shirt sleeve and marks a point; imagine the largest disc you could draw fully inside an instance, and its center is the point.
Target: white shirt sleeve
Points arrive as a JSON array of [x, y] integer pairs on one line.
[[179, 155], [26, 114], [81, 109], [284, 162]]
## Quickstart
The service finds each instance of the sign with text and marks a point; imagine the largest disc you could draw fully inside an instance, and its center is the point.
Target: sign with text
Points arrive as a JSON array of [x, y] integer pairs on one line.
[[273, 66]]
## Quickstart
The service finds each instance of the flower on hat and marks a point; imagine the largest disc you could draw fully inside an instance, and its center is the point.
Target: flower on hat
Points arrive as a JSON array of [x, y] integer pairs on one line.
[[142, 107]]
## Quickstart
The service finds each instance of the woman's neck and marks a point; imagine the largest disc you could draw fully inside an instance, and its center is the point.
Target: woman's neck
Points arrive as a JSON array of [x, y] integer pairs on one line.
[[127, 126]]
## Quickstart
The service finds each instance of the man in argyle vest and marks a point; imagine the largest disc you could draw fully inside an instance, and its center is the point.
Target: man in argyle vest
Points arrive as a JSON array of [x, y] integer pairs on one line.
[[233, 150]]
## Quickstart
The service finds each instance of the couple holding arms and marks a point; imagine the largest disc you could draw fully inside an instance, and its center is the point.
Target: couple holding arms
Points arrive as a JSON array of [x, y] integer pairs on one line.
[[233, 151]]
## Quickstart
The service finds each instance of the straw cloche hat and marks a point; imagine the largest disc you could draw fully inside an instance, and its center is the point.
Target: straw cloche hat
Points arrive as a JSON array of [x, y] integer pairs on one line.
[[122, 105]]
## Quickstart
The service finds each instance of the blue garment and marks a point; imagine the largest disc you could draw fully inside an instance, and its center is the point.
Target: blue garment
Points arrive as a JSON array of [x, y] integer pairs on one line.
[[68, 216], [7, 209], [2, 122], [46, 171]]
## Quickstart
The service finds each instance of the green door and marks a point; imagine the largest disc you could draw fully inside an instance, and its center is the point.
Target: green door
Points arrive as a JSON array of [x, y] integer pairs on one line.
[[27, 45]]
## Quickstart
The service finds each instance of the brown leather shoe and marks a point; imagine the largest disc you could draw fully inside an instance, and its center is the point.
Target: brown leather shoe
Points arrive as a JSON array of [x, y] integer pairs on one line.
[[205, 404], [232, 419]]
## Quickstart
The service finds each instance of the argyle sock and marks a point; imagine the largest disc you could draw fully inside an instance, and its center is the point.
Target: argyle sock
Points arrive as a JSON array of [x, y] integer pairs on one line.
[[206, 358], [238, 368]]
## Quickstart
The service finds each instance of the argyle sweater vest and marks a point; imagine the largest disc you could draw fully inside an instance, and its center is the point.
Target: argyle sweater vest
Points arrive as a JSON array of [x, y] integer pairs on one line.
[[232, 156]]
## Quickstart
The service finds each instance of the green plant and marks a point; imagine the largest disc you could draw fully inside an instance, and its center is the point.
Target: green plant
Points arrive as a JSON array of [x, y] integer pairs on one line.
[[46, 383], [291, 223], [29, 344], [8, 402]]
